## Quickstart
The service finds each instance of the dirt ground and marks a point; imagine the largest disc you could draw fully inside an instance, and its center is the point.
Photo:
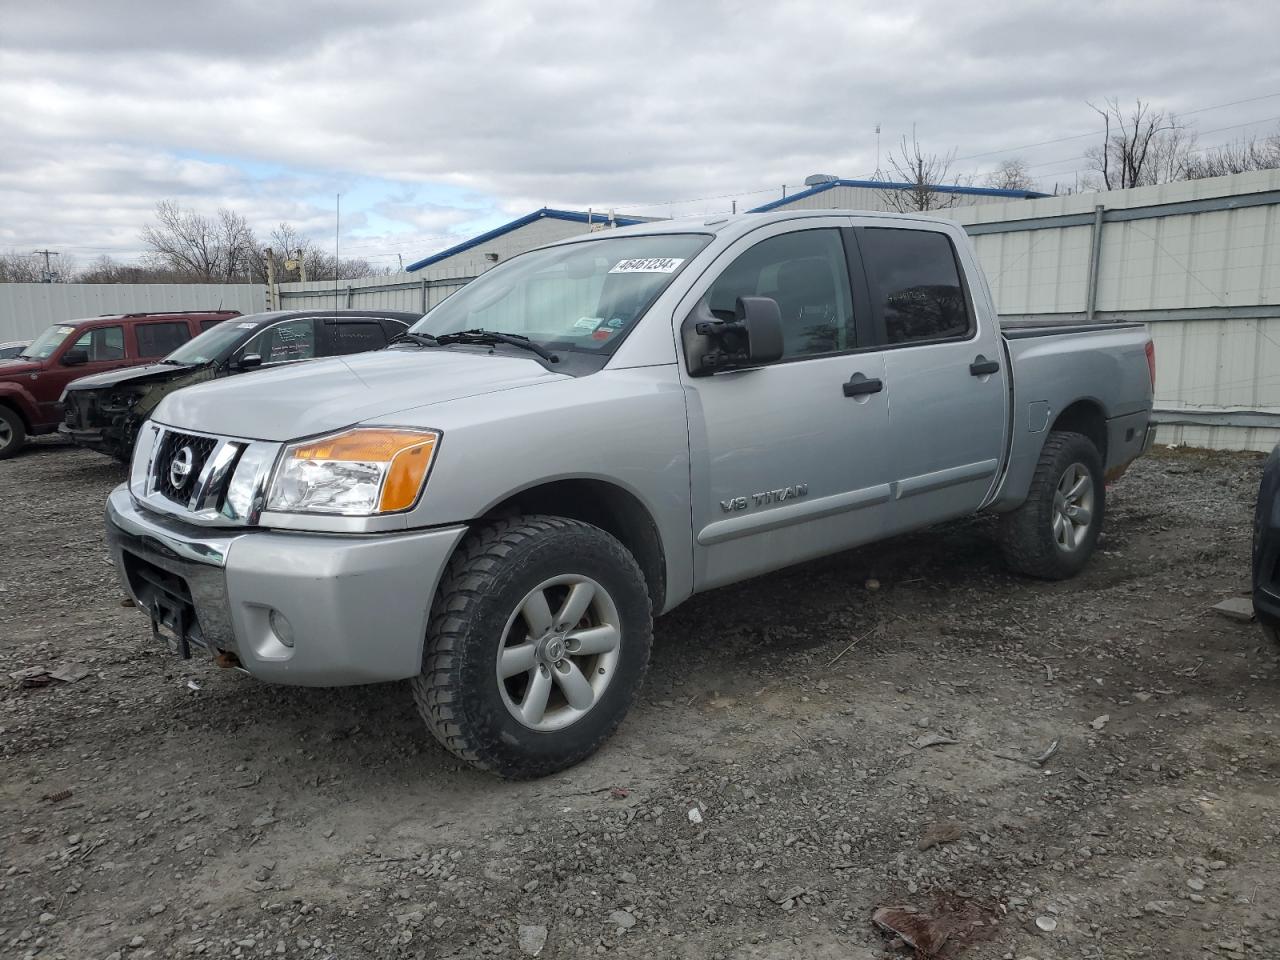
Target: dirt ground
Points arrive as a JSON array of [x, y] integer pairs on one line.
[[156, 808]]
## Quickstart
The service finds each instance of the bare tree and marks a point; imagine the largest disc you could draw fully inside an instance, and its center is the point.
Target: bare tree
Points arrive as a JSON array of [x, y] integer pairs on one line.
[[1241, 156], [20, 268], [1012, 174], [1139, 147], [288, 244], [219, 249], [923, 173]]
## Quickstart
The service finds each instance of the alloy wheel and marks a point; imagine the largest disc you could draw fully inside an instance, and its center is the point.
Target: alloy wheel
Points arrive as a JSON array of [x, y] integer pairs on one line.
[[559, 652]]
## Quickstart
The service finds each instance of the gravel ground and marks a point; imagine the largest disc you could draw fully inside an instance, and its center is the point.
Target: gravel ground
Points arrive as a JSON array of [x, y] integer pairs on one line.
[[774, 785]]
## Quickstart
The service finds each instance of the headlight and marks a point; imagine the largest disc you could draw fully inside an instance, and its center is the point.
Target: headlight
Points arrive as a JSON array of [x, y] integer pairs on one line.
[[354, 473]]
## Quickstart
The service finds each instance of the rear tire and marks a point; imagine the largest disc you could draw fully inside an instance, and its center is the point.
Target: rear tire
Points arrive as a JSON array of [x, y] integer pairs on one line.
[[13, 433], [1053, 534], [538, 642]]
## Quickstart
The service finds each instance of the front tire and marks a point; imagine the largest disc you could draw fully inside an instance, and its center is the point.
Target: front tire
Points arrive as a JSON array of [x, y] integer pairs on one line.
[[13, 433], [1053, 534], [538, 642]]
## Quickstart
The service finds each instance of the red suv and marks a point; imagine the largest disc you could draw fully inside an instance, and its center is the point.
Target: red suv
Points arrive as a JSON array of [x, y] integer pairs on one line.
[[31, 384]]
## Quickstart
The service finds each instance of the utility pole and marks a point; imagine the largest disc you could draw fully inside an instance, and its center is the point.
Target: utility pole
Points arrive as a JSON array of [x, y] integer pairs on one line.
[[302, 266], [273, 296], [47, 276]]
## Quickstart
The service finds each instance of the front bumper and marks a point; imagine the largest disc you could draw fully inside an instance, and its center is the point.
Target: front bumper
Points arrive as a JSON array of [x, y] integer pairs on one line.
[[357, 606]]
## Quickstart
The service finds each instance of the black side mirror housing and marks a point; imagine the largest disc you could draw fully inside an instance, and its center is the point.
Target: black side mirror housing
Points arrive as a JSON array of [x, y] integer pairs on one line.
[[75, 358], [752, 338], [250, 361]]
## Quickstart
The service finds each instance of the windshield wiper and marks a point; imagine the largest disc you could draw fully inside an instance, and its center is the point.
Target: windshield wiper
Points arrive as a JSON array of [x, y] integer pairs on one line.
[[176, 363], [421, 339], [493, 336]]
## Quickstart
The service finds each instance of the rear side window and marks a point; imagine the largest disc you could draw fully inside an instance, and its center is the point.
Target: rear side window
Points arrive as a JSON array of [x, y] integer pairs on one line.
[[160, 339], [915, 285], [208, 324], [353, 336]]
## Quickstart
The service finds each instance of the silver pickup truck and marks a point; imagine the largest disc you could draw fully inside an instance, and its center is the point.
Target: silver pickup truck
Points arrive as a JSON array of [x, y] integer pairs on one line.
[[592, 432]]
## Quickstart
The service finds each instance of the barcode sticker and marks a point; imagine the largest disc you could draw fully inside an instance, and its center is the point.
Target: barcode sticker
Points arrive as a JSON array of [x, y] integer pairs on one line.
[[648, 265]]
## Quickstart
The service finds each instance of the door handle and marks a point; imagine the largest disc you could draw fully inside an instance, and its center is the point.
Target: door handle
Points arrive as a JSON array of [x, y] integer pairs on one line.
[[982, 367], [860, 385]]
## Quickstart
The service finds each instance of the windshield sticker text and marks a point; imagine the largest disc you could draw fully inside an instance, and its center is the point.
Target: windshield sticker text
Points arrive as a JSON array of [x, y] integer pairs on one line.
[[587, 323], [648, 265]]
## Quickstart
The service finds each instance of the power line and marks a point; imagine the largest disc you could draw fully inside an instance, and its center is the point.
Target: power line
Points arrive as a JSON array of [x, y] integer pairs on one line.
[[1094, 133]]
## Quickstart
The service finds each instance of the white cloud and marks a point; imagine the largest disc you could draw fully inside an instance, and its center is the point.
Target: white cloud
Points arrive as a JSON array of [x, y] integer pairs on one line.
[[505, 106]]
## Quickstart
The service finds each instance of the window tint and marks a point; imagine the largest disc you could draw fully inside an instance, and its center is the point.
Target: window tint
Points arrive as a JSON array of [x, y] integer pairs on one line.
[[806, 273], [353, 336], [160, 339], [208, 324], [104, 343], [915, 284], [284, 342]]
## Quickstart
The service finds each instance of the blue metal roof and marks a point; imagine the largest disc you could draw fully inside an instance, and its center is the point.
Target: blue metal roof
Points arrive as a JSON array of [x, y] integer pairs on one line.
[[572, 216], [890, 185]]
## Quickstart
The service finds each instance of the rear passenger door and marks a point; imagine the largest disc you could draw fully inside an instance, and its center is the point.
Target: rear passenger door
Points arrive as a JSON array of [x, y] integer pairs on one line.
[[945, 374], [347, 335]]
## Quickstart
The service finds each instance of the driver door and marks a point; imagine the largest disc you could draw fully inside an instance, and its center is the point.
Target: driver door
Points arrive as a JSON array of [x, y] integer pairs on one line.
[[788, 462]]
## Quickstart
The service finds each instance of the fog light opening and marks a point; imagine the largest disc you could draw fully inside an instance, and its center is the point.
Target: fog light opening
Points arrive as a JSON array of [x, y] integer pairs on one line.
[[281, 627]]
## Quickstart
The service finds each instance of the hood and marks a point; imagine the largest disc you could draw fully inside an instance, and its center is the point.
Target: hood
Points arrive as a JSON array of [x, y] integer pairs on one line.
[[9, 368], [129, 375], [319, 396]]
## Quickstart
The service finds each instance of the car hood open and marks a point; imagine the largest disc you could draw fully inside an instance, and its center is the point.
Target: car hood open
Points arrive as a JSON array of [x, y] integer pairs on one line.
[[318, 396], [151, 373]]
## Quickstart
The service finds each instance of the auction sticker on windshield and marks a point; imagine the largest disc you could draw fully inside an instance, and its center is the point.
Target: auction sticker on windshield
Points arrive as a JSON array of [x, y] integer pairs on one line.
[[648, 265]]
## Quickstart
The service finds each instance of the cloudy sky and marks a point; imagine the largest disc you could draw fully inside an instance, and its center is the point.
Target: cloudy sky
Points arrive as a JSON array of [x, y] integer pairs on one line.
[[436, 125]]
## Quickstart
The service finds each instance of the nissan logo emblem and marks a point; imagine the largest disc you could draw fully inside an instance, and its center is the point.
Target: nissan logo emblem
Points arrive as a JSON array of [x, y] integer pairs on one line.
[[180, 467]]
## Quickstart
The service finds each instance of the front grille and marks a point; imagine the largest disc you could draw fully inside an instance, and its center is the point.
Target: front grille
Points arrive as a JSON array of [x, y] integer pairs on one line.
[[172, 444]]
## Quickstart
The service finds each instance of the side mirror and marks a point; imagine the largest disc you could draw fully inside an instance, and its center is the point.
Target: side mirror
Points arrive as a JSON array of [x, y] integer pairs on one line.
[[250, 361], [752, 338], [75, 358]]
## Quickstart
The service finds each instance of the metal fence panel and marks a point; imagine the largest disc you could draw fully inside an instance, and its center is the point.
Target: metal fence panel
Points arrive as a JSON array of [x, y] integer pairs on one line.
[[28, 308]]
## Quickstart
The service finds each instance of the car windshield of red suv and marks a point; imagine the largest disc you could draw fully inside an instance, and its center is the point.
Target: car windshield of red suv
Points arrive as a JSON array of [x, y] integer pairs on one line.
[[43, 346]]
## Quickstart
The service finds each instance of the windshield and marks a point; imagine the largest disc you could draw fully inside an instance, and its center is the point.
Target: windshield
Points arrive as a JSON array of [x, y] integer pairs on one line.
[[213, 344], [582, 296], [43, 346]]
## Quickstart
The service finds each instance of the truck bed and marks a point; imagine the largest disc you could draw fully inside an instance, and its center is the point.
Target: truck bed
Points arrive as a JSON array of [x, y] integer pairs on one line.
[[1024, 329]]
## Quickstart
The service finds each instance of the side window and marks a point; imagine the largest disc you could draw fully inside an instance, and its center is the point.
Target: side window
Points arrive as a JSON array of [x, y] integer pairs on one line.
[[352, 336], [915, 284], [104, 343], [284, 342], [208, 324], [807, 274], [160, 339]]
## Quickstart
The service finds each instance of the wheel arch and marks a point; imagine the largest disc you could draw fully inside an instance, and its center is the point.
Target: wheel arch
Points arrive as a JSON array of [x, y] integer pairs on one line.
[[13, 401], [1085, 416], [604, 504]]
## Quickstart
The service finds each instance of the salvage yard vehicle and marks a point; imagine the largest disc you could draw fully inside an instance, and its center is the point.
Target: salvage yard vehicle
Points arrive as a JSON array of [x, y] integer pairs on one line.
[[12, 348], [1266, 549], [31, 384], [103, 412], [592, 432]]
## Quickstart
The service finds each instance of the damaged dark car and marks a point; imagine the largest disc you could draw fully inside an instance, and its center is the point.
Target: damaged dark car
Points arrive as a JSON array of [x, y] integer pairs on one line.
[[103, 412]]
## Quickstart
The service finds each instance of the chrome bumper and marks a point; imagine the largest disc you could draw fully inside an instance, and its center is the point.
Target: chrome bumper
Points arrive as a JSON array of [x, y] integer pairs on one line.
[[356, 606]]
